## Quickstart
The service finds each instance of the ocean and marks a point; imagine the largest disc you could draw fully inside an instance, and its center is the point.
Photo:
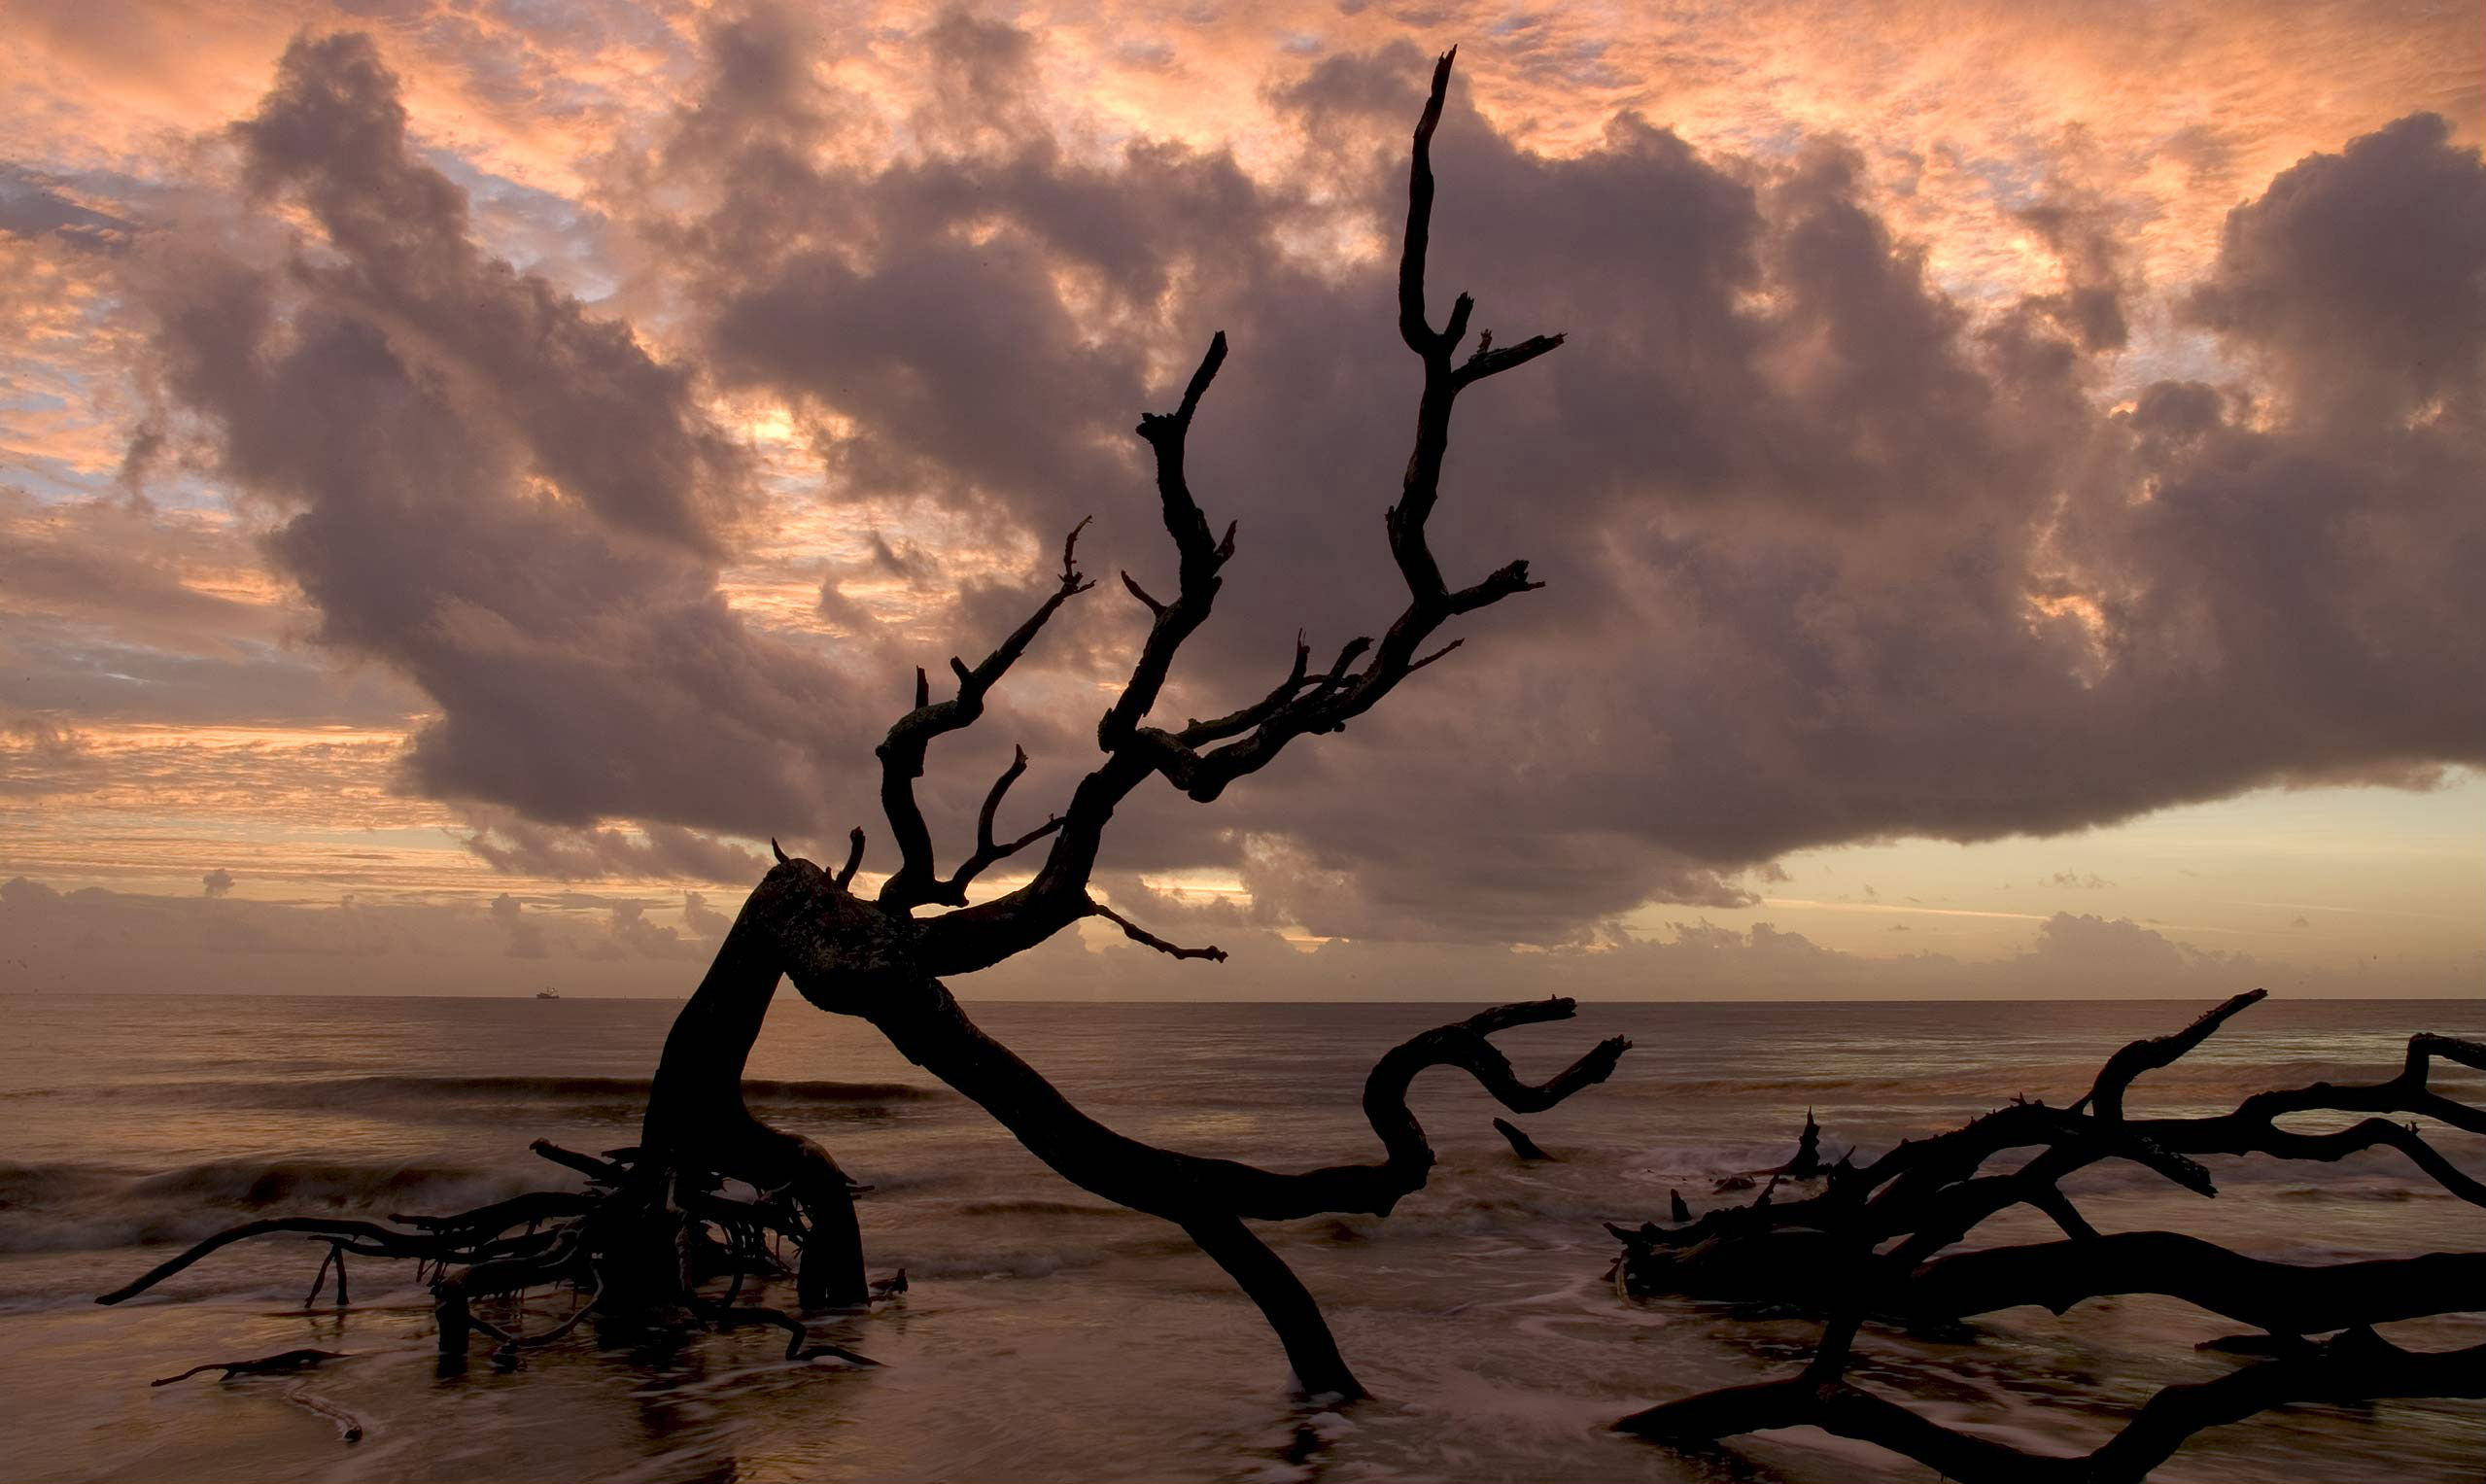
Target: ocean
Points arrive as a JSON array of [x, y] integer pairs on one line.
[[1048, 1335]]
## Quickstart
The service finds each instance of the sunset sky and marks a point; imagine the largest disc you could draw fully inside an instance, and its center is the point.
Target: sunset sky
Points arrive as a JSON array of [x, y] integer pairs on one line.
[[2012, 502]]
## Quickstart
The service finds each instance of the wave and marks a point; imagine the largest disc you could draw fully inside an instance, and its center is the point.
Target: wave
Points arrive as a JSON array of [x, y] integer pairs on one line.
[[2197, 1080], [356, 1091], [75, 1207]]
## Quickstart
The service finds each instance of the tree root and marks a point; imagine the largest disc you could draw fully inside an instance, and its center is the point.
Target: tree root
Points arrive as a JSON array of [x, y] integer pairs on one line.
[[1870, 1247], [644, 1236]]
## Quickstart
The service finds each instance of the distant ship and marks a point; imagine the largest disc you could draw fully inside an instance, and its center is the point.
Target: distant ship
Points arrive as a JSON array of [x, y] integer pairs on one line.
[[547, 993]]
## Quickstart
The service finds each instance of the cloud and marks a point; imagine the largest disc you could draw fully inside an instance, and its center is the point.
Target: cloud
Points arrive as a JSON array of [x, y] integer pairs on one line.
[[2359, 278], [1833, 552], [2123, 951], [94, 940], [650, 852], [703, 921], [40, 756], [2077, 880], [630, 927], [99, 941], [600, 419], [1831, 524], [2068, 957], [482, 486]]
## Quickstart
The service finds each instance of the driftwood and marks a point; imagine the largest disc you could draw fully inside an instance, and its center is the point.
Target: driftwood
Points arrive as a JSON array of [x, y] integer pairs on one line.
[[601, 1243], [283, 1363], [1871, 1245], [349, 1428], [1520, 1143], [656, 1225]]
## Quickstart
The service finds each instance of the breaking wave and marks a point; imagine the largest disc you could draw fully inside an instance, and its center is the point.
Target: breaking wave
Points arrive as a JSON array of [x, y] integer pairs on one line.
[[77, 1207]]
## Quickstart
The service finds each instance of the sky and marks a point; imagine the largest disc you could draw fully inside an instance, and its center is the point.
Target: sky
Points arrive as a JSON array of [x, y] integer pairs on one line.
[[2012, 503]]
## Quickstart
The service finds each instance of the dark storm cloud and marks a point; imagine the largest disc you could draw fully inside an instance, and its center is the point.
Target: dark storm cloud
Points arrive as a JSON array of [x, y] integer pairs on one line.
[[2361, 277], [597, 417], [1830, 557], [495, 492]]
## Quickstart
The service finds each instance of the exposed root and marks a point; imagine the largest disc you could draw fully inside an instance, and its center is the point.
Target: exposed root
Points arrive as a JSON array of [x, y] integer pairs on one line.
[[646, 1237]]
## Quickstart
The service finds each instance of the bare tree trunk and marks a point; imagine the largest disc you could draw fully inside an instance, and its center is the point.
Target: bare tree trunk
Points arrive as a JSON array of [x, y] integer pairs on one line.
[[697, 1121]]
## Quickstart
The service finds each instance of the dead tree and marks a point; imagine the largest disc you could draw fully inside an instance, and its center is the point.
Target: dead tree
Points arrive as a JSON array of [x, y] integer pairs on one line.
[[876, 959], [659, 1221], [1871, 1245]]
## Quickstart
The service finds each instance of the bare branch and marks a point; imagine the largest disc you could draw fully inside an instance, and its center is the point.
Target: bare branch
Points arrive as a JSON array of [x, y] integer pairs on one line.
[[915, 882], [993, 798], [1141, 593], [1196, 732], [1199, 558], [980, 936], [853, 858], [1141, 935], [1413, 326], [954, 891], [1493, 362], [2106, 1094]]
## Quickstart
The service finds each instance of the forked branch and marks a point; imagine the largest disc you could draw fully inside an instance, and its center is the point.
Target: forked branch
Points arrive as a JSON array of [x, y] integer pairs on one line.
[[916, 883], [1204, 758]]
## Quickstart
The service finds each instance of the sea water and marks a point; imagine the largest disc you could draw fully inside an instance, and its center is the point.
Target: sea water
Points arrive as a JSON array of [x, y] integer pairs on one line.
[[1049, 1334]]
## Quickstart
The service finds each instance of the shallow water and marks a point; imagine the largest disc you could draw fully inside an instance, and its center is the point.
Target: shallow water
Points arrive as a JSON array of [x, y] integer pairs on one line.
[[1048, 1336]]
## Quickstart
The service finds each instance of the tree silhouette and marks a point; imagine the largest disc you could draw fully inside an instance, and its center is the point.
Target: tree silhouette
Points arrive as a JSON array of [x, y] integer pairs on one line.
[[658, 1221]]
